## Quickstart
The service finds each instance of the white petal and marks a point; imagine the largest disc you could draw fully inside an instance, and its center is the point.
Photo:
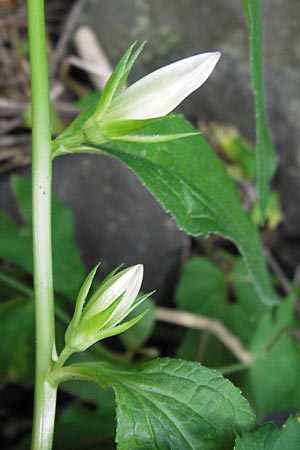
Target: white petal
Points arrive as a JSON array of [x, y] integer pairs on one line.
[[132, 286], [161, 91], [127, 282]]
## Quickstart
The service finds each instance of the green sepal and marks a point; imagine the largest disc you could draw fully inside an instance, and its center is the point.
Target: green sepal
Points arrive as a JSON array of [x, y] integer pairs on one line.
[[105, 131], [142, 139], [117, 80], [119, 328], [73, 135], [99, 320], [82, 295]]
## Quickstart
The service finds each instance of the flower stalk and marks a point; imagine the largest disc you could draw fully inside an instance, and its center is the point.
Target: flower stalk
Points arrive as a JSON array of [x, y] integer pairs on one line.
[[45, 394]]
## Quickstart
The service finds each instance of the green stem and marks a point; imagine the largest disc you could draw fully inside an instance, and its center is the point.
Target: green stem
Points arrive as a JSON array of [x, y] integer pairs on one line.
[[45, 393], [232, 368]]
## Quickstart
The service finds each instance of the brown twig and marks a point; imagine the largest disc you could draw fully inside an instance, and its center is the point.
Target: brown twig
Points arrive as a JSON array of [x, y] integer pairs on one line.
[[285, 283], [90, 50], [198, 322], [65, 36]]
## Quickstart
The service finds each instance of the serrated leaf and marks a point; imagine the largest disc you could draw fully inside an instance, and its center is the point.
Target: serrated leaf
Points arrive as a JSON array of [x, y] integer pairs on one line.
[[265, 156], [191, 183], [171, 404], [269, 437]]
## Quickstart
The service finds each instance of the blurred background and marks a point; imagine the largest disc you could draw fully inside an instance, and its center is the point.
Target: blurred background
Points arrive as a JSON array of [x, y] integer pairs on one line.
[[116, 220]]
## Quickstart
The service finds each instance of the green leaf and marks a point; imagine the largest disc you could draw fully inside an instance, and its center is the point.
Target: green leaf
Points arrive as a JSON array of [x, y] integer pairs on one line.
[[67, 265], [265, 157], [269, 437], [171, 404], [80, 428], [17, 338], [202, 288], [15, 244], [136, 336], [244, 315], [191, 183], [276, 361]]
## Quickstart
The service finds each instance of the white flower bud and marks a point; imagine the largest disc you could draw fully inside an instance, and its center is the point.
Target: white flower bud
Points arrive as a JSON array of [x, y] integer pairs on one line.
[[106, 309], [161, 91]]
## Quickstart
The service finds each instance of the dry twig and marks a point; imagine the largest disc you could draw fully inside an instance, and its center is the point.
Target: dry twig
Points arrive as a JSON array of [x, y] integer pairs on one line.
[[198, 322]]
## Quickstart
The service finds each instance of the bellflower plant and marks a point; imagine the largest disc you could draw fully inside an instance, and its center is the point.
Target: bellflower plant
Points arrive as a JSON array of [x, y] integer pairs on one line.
[[118, 115]]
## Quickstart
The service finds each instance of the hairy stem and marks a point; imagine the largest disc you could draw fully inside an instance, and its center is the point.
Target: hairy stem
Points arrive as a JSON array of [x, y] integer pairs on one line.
[[45, 393]]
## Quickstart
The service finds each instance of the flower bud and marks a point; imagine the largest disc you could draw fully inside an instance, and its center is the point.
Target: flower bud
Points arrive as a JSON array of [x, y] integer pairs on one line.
[[163, 90], [111, 303], [119, 114]]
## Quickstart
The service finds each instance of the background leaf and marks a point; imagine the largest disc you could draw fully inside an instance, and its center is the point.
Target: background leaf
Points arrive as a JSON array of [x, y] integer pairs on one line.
[[276, 361], [191, 183], [202, 289], [265, 157], [15, 241], [269, 437], [16, 337], [80, 428]]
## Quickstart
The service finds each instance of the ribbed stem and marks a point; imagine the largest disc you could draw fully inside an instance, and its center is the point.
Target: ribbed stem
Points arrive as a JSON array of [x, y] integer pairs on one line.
[[45, 394]]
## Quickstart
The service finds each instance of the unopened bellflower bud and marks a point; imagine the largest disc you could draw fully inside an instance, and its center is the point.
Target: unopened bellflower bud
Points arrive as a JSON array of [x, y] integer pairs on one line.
[[163, 90], [120, 113], [102, 315]]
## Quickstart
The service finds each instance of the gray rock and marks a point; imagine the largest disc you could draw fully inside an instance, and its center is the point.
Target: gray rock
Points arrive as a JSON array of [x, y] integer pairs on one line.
[[116, 219], [175, 29]]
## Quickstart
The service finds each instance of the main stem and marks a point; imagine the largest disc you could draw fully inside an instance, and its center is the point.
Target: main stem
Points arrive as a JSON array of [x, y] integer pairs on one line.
[[45, 393]]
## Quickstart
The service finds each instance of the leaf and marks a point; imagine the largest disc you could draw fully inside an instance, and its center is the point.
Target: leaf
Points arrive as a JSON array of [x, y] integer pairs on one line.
[[265, 157], [191, 183], [244, 315], [80, 428], [269, 437], [202, 288], [170, 404], [276, 362], [15, 244], [17, 338], [67, 265]]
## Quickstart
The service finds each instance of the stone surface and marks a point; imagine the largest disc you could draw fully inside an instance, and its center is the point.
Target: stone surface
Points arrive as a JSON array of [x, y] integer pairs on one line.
[[175, 29], [116, 219]]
